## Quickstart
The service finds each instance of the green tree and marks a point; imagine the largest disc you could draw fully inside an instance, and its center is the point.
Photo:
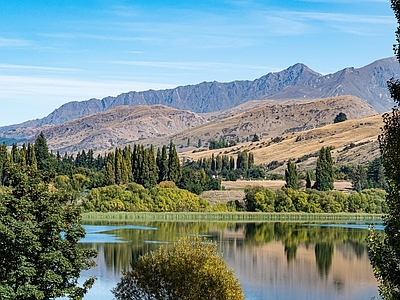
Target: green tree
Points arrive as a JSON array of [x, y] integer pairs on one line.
[[341, 117], [174, 165], [385, 254], [42, 152], [150, 176], [324, 172], [4, 161], [192, 270], [359, 178], [31, 156], [162, 164], [255, 138], [39, 232], [308, 180], [291, 176]]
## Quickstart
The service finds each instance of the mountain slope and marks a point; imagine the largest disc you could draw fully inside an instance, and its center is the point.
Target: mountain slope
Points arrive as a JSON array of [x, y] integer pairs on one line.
[[103, 131], [270, 121], [354, 142], [297, 81], [159, 124]]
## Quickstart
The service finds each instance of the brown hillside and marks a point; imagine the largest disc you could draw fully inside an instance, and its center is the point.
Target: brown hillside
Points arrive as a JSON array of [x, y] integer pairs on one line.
[[115, 127], [269, 121], [354, 141]]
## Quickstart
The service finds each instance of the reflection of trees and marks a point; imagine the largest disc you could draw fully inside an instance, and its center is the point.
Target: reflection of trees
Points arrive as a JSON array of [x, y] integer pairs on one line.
[[323, 256], [294, 234], [291, 235], [291, 252]]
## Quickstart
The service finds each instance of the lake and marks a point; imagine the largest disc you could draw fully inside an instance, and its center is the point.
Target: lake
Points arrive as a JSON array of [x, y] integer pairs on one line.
[[272, 260]]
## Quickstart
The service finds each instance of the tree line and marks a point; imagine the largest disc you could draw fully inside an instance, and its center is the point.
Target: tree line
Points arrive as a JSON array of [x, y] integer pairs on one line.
[[145, 166]]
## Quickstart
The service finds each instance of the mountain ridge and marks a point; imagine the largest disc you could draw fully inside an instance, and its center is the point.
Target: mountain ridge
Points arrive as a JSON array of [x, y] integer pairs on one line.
[[297, 81]]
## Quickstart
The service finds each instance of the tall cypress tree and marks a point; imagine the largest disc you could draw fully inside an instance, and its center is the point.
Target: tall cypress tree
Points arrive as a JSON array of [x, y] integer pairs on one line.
[[324, 176], [4, 160], [174, 165], [127, 156], [31, 156], [41, 151], [162, 164], [110, 168], [151, 171], [291, 176]]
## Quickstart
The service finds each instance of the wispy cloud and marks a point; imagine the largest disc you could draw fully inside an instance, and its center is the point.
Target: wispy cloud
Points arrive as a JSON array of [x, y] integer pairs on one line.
[[6, 42], [36, 68]]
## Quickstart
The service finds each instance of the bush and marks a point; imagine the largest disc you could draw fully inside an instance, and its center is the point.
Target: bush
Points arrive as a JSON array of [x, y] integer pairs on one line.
[[191, 270]]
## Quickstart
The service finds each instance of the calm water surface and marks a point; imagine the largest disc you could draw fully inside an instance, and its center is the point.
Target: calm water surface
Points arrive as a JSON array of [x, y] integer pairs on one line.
[[273, 260]]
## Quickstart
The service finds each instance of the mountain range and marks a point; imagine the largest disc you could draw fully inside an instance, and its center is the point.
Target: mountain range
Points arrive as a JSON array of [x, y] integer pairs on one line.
[[368, 83]]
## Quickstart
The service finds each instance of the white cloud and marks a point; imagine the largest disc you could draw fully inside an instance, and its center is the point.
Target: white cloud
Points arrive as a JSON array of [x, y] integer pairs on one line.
[[5, 42], [36, 68]]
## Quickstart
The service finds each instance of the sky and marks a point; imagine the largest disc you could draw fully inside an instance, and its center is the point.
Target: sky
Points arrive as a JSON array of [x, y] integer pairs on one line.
[[53, 52]]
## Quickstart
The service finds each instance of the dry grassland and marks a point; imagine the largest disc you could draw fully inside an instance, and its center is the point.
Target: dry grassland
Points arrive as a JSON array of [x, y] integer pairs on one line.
[[354, 141]]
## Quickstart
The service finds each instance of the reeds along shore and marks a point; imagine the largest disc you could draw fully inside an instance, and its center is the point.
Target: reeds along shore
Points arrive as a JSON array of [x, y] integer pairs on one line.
[[231, 216]]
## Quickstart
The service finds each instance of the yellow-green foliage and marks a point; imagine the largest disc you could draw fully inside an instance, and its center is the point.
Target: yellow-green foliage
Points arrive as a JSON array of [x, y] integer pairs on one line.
[[134, 197], [262, 199], [192, 270], [174, 199], [166, 184]]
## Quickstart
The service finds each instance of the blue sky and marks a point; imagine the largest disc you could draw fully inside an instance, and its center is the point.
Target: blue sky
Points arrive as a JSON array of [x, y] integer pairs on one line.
[[53, 52]]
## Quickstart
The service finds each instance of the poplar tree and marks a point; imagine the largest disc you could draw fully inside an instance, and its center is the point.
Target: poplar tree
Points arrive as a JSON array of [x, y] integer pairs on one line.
[[162, 164], [31, 156], [4, 160], [324, 176], [127, 157], [109, 168], [149, 168], [291, 176], [174, 165], [41, 151]]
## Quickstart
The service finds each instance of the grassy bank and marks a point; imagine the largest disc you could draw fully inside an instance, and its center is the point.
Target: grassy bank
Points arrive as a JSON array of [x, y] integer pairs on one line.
[[234, 217]]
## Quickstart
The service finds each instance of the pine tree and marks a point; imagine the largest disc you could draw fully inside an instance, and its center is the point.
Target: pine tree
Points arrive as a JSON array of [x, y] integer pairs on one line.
[[41, 151], [150, 171], [15, 155], [174, 165], [324, 176], [118, 166], [31, 156], [110, 168], [231, 163], [308, 180], [291, 177], [127, 157], [162, 164], [4, 161], [251, 160]]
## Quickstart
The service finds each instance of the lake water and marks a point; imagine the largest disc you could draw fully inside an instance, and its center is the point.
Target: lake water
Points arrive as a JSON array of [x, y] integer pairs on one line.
[[272, 260]]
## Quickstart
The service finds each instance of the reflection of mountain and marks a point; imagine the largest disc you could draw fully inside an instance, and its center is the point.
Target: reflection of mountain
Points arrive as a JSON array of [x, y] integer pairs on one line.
[[281, 260]]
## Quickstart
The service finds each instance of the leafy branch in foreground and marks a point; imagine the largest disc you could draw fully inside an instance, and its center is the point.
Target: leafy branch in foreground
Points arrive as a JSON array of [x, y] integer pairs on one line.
[[39, 232]]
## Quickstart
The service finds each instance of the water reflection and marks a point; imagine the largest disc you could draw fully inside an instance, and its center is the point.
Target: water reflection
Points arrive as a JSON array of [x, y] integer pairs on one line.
[[273, 260]]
